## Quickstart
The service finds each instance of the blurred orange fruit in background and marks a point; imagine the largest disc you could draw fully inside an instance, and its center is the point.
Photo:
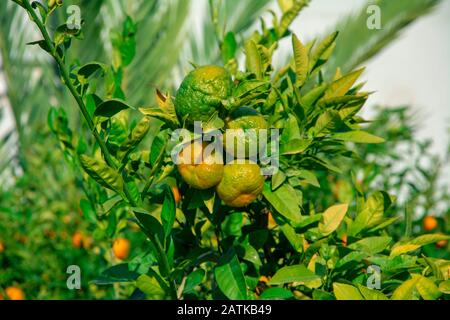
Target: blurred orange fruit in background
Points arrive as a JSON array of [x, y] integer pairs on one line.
[[429, 223], [121, 248], [15, 293]]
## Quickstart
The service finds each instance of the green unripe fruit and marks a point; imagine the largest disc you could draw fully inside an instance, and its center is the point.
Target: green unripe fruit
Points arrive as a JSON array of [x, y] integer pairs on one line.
[[201, 94]]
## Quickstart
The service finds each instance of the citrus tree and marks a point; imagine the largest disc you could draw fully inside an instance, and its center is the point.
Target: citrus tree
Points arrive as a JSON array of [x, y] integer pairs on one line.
[[224, 230]]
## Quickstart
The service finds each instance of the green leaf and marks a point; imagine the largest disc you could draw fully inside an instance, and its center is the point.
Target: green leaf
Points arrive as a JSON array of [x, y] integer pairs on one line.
[[64, 32], [229, 47], [230, 279], [309, 177], [332, 218], [327, 121], [294, 238], [342, 101], [403, 248], [41, 43], [193, 280], [295, 273], [102, 173], [168, 211], [346, 292], [301, 61], [312, 96], [326, 164], [444, 287], [371, 214], [321, 50], [341, 86], [414, 244], [276, 294], [319, 294], [385, 222], [358, 137], [284, 200], [394, 264], [429, 238], [136, 136], [160, 114], [295, 146], [248, 86], [90, 68], [371, 294], [355, 257], [307, 220], [427, 288], [285, 5], [278, 179], [289, 16], [251, 255], [149, 224], [111, 107], [88, 211], [42, 9], [371, 245], [253, 59], [151, 287], [291, 130], [115, 274], [407, 290], [209, 199], [92, 102]]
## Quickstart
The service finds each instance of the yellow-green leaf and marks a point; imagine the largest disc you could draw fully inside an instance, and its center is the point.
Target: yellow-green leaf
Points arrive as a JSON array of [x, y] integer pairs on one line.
[[296, 273], [289, 16], [332, 218], [400, 249], [150, 286], [406, 291], [444, 287], [321, 50], [416, 243], [358, 137], [102, 173], [346, 292], [427, 289], [429, 238], [341, 86], [301, 61], [371, 294], [253, 59], [371, 245]]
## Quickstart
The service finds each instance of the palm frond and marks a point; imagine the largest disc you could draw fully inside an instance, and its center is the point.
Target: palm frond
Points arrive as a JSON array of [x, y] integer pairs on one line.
[[357, 43], [236, 16]]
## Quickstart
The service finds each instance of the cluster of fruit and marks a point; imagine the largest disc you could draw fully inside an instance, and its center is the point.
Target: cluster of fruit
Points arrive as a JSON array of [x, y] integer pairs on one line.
[[199, 98]]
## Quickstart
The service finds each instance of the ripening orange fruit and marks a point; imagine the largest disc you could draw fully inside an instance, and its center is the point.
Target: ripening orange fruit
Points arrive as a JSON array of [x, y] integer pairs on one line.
[[87, 242], [14, 293], [344, 240], [263, 279], [2, 246], [442, 244], [121, 248], [429, 223], [271, 223], [176, 194], [77, 239]]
